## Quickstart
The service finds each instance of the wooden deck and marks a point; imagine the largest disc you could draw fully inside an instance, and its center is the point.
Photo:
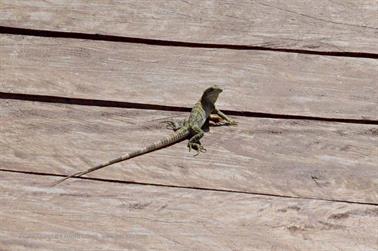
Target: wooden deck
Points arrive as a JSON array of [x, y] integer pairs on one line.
[[82, 82]]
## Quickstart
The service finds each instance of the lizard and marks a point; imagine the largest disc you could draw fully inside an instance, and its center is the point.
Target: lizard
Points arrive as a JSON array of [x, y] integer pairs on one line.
[[192, 128]]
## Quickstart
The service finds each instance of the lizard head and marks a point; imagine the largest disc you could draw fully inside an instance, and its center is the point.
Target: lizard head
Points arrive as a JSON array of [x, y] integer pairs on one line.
[[211, 94]]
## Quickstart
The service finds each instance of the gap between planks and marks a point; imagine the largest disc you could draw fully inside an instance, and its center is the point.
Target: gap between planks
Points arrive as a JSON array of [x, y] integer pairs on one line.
[[144, 106], [265, 156], [158, 42], [192, 188]]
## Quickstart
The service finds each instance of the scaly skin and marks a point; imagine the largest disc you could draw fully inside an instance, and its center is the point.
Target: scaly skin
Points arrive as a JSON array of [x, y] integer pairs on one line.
[[190, 128]]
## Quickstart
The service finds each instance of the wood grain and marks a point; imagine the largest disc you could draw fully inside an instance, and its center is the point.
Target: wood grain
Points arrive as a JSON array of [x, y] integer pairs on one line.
[[282, 157], [89, 215], [338, 25], [270, 82]]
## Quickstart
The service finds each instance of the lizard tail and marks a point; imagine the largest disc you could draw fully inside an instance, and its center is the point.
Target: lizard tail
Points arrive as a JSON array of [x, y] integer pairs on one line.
[[174, 138]]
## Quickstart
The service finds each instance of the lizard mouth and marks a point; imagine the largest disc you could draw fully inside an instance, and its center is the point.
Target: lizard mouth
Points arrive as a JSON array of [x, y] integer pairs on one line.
[[217, 89]]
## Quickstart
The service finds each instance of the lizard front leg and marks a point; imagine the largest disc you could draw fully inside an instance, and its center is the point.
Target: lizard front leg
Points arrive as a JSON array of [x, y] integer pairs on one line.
[[194, 141], [224, 117]]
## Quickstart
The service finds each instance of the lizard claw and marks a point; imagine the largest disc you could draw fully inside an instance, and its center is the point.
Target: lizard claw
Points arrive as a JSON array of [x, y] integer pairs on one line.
[[197, 147], [232, 123], [200, 150], [226, 123]]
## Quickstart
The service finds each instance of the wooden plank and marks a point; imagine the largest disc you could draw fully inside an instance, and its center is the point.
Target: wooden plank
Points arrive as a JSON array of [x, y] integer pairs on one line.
[[270, 82], [339, 25], [88, 215], [283, 157]]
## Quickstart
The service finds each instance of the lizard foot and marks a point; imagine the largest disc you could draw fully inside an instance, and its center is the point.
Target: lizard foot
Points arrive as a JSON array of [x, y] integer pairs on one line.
[[231, 123], [197, 147], [227, 123]]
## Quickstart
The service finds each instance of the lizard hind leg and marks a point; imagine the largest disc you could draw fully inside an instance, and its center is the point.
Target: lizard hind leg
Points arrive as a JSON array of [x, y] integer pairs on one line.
[[194, 142], [174, 125]]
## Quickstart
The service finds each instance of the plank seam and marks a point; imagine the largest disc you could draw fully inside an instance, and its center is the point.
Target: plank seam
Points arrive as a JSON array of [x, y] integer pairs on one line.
[[158, 42], [192, 188], [144, 106]]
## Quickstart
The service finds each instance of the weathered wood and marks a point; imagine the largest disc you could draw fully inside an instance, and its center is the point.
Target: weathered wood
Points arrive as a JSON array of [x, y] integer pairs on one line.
[[282, 157], [271, 82], [89, 215], [339, 25]]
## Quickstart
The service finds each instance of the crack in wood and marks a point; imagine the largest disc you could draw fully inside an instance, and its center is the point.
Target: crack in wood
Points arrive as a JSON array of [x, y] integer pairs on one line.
[[158, 42], [144, 106], [316, 18], [192, 188]]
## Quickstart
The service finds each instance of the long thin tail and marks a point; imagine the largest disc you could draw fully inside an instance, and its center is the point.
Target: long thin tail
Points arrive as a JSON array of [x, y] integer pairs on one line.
[[173, 138]]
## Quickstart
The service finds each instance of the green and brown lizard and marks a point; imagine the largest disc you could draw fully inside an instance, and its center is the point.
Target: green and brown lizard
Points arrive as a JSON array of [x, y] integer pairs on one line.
[[191, 128]]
